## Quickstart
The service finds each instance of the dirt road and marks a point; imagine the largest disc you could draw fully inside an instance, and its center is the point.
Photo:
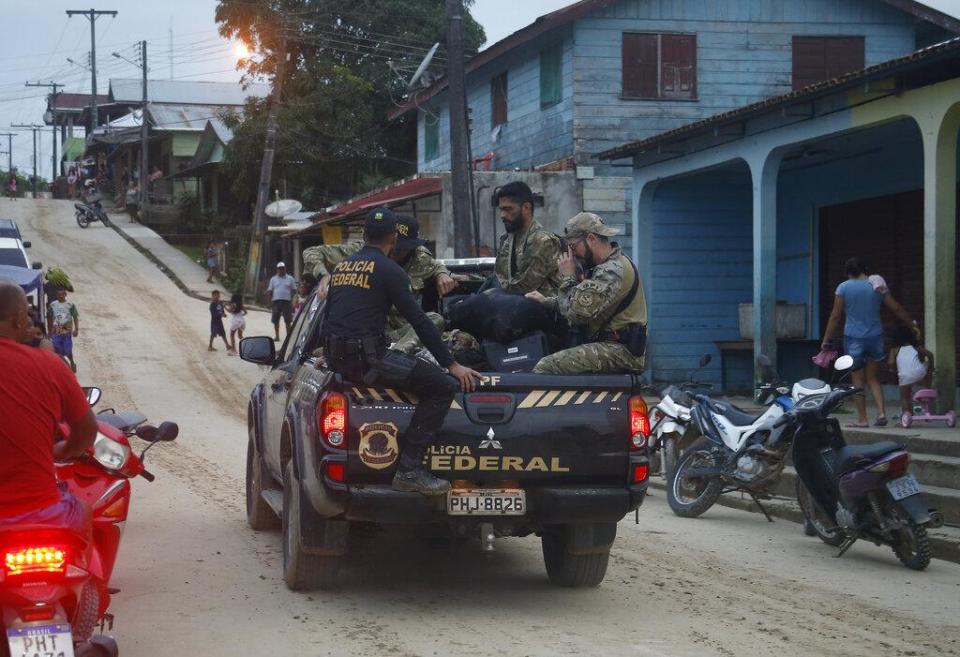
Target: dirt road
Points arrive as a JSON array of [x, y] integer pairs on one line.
[[196, 581]]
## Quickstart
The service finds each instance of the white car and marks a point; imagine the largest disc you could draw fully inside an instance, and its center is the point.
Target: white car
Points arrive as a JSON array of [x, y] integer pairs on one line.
[[13, 253]]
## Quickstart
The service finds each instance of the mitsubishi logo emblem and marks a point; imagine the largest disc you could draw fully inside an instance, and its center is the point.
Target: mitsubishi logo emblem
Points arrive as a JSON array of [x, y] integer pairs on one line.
[[490, 442]]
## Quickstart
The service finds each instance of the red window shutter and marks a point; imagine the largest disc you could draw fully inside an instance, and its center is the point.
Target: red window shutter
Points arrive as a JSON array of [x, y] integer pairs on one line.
[[678, 68], [816, 59], [498, 100], [639, 55]]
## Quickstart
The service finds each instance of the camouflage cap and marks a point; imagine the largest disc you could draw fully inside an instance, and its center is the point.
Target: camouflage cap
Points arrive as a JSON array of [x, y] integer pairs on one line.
[[584, 223]]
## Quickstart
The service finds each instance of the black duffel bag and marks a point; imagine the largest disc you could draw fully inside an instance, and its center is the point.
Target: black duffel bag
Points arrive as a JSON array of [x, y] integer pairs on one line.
[[500, 316]]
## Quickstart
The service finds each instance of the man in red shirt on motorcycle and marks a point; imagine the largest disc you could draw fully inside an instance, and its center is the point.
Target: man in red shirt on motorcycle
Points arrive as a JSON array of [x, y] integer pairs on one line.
[[37, 392]]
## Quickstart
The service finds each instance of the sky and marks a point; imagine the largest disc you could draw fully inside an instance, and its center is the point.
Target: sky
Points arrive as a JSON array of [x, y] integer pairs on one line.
[[39, 37]]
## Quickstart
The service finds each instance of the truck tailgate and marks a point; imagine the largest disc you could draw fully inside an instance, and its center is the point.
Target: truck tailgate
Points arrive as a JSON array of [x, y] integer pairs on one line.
[[515, 427]]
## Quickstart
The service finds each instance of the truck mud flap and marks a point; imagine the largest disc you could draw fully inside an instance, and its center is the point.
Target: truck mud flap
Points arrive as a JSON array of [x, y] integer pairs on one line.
[[324, 537]]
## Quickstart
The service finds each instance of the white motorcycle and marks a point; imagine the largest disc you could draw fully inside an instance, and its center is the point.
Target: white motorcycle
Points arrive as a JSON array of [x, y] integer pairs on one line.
[[670, 420]]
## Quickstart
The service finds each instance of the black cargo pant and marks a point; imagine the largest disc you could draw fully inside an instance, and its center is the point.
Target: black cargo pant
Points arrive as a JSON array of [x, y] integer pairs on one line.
[[434, 390]]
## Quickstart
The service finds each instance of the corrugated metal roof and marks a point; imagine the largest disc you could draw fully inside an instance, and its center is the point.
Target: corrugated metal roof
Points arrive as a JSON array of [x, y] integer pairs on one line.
[[570, 13], [189, 118], [185, 92], [926, 56]]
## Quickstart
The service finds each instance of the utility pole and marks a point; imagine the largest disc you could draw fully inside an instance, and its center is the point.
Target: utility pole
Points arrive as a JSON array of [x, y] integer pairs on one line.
[[34, 127], [144, 127], [53, 116], [92, 15], [459, 156], [252, 282], [9, 136]]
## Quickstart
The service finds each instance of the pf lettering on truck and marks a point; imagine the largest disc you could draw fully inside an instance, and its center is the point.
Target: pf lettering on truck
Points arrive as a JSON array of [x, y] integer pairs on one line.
[[563, 458]]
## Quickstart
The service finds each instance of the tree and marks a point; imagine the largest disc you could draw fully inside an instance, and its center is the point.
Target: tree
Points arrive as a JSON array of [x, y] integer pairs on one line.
[[342, 77]]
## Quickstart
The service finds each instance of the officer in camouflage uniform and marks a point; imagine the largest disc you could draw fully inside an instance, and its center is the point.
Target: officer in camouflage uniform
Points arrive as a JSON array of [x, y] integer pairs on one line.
[[527, 258], [411, 255], [608, 306]]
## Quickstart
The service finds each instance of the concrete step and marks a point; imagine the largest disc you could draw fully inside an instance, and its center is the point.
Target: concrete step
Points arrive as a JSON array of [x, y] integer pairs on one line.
[[946, 499], [941, 442], [944, 542]]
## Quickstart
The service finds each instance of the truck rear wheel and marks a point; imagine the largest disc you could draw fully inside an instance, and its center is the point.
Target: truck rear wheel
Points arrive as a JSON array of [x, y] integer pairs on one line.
[[260, 516], [577, 555], [302, 571]]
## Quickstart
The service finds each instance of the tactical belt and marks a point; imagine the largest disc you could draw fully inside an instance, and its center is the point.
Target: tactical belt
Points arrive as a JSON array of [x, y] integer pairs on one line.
[[365, 348]]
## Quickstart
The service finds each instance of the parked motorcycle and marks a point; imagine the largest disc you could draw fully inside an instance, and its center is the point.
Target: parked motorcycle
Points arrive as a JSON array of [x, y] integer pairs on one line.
[[54, 587], [670, 420], [87, 214], [867, 487]]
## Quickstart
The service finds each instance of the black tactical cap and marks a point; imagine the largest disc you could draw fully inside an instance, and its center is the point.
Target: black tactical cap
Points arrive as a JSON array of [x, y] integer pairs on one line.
[[381, 222], [409, 230]]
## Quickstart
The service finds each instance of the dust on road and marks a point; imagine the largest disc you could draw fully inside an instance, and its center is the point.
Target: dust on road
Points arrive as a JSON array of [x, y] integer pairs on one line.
[[196, 580]]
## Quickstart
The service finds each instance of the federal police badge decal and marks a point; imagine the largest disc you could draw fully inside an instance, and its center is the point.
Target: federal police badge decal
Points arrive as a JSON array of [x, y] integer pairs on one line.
[[378, 444]]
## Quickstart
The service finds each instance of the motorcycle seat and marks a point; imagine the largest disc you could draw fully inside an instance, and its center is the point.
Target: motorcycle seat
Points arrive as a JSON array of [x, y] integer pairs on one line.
[[124, 420], [738, 416], [851, 457]]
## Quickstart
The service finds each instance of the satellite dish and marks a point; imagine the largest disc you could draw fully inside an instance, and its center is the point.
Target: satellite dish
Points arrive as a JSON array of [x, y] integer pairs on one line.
[[423, 67], [280, 209]]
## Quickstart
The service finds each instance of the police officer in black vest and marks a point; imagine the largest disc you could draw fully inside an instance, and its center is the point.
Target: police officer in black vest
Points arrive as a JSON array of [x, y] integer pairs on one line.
[[363, 287]]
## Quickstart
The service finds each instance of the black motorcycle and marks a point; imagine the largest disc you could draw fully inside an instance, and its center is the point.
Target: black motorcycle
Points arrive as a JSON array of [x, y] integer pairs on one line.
[[851, 492], [87, 214]]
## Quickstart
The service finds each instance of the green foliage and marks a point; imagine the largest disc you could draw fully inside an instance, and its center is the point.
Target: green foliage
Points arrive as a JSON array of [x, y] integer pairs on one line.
[[332, 138]]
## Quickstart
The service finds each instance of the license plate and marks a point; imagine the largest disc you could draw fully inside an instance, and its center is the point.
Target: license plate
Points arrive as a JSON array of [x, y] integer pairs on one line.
[[903, 487], [487, 502], [40, 641]]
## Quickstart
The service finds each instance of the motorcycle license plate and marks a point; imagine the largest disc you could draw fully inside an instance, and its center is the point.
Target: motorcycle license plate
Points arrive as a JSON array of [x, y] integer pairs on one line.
[[40, 641], [487, 502], [903, 487]]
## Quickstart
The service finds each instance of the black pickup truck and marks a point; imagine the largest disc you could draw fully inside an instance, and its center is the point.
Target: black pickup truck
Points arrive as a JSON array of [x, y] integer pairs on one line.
[[562, 457]]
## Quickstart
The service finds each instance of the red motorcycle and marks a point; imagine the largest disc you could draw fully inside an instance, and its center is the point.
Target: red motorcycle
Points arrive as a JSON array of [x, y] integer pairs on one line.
[[54, 586]]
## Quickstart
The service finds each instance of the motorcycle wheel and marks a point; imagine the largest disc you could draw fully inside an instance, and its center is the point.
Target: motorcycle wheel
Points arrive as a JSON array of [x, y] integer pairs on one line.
[[82, 220], [817, 519], [85, 618], [913, 546], [691, 498]]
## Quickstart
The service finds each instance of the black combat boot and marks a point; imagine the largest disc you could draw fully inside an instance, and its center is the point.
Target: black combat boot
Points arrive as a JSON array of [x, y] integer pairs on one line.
[[412, 476]]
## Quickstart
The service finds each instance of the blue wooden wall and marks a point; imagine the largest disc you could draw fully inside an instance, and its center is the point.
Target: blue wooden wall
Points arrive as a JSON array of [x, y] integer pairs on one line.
[[744, 55], [701, 269], [532, 136]]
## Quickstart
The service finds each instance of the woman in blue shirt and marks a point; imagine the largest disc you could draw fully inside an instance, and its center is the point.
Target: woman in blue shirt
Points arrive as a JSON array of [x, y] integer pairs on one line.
[[863, 332]]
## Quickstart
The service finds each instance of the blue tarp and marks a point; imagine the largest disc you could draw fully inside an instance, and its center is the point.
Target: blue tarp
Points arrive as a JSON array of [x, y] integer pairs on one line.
[[28, 279]]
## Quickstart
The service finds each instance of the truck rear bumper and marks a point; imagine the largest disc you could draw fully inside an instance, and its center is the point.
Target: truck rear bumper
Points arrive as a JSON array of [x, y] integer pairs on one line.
[[545, 505]]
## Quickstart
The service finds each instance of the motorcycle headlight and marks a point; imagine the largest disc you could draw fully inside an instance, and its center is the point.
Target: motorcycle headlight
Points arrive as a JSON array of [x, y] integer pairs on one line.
[[109, 453]]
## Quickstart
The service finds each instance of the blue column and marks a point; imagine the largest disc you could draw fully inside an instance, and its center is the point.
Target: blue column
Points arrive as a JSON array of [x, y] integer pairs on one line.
[[764, 170]]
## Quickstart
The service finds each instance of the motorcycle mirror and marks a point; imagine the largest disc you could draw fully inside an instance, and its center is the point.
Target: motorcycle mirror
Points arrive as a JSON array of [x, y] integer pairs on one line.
[[705, 360], [93, 395], [783, 390], [844, 363], [148, 432], [168, 431]]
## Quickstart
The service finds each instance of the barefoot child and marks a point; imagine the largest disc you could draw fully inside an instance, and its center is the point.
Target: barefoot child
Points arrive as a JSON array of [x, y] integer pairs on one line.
[[63, 325], [238, 320], [912, 363], [216, 321]]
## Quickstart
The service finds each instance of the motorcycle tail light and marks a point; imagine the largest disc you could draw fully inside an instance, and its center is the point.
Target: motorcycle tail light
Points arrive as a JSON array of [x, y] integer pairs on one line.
[[332, 419], [39, 612], [640, 472], [28, 560], [894, 468], [639, 423]]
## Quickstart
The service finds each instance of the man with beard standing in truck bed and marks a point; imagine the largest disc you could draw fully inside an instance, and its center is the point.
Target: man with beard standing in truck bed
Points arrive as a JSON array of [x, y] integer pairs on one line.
[[527, 259]]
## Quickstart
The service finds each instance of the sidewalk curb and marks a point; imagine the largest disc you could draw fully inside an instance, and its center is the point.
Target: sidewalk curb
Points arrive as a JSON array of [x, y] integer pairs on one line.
[[149, 255], [943, 545]]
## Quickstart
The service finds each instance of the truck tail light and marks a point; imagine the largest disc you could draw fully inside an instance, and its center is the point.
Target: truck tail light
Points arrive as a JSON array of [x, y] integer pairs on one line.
[[332, 419], [336, 470], [639, 423], [640, 472]]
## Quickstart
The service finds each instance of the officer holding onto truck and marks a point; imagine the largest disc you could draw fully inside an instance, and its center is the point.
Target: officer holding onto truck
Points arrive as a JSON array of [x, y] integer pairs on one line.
[[607, 306], [363, 288], [411, 254]]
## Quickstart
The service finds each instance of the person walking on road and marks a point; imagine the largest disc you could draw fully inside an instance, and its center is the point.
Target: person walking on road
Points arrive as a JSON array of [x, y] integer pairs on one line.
[[608, 306], [63, 325], [12, 186], [238, 319], [860, 301], [216, 322], [363, 288], [281, 287], [212, 256]]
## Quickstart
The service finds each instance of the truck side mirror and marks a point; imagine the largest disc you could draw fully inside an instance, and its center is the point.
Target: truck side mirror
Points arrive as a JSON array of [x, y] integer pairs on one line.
[[259, 349]]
